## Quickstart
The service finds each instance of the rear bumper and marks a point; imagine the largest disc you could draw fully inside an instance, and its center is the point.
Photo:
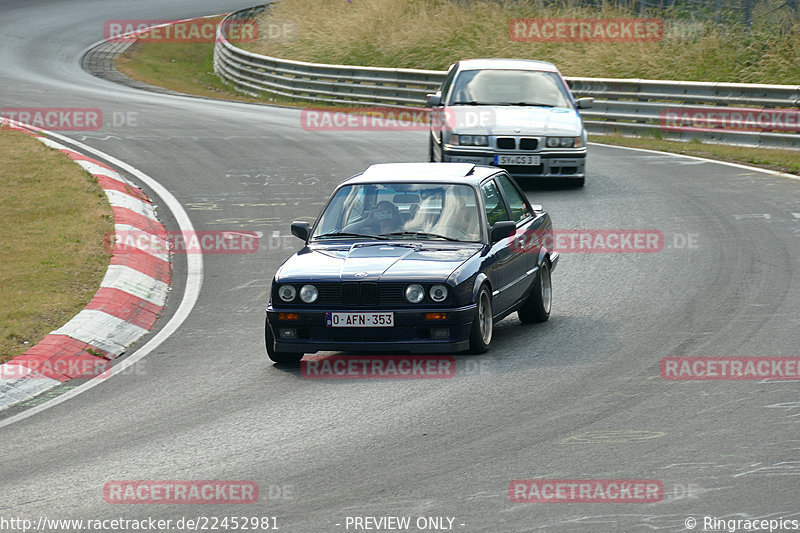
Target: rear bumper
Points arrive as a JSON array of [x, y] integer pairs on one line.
[[411, 331]]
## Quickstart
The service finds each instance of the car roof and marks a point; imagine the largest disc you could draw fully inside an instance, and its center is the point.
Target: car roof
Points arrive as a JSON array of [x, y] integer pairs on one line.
[[505, 64], [465, 173]]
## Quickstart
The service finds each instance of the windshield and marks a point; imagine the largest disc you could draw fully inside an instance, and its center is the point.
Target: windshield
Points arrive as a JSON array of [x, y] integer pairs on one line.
[[509, 87], [402, 211]]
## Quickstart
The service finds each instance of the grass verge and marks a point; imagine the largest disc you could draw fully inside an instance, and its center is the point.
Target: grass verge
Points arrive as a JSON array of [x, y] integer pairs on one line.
[[52, 257], [182, 67], [432, 34]]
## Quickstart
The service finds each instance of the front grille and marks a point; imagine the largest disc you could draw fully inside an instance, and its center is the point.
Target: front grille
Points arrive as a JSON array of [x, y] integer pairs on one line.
[[369, 294], [350, 294], [329, 292], [392, 294], [506, 143], [527, 143]]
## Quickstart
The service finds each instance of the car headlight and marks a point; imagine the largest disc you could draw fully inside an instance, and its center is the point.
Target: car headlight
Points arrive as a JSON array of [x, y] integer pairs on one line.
[[438, 293], [309, 294], [469, 140], [415, 293], [564, 142], [287, 293]]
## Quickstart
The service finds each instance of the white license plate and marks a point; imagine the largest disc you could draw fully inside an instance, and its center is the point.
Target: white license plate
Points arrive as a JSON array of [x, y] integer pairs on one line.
[[360, 320], [523, 160]]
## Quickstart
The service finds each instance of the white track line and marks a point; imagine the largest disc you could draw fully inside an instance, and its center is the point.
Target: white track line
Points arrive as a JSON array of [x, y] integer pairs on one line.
[[734, 165], [194, 282]]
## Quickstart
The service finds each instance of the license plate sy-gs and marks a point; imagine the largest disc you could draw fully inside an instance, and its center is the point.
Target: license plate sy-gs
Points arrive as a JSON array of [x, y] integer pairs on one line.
[[523, 160], [359, 320]]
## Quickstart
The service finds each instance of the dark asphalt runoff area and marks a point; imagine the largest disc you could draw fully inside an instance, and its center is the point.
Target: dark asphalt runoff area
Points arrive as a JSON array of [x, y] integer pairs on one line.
[[579, 397]]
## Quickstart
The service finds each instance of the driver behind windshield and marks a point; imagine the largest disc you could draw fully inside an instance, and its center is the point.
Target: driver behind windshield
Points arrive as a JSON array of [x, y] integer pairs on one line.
[[385, 218]]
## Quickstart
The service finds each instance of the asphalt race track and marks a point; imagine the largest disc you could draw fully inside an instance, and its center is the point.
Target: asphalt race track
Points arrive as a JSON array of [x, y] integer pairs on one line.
[[578, 397]]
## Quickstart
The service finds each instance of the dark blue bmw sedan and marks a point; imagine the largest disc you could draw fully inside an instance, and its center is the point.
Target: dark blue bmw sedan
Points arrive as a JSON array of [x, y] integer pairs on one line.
[[417, 257]]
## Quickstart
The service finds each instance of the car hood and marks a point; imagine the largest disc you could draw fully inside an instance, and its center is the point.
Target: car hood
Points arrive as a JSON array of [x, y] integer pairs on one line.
[[516, 120], [372, 261]]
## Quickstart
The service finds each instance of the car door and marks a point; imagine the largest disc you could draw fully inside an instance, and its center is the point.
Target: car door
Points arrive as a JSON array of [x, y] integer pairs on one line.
[[525, 243], [507, 261]]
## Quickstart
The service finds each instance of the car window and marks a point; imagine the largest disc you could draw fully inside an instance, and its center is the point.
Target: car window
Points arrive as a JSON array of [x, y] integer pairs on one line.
[[493, 202], [510, 87], [404, 210], [448, 81], [349, 204], [354, 206], [520, 208]]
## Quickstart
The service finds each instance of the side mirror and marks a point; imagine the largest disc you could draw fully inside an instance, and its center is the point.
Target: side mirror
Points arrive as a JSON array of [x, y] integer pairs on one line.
[[433, 100], [501, 230], [301, 229], [585, 103]]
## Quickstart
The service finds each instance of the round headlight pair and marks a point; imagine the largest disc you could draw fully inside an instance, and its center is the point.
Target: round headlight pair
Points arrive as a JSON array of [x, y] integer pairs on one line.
[[308, 293], [469, 140], [438, 293], [415, 293], [563, 142]]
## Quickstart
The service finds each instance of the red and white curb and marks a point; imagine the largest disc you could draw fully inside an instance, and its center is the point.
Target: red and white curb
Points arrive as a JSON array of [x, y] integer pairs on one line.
[[131, 296]]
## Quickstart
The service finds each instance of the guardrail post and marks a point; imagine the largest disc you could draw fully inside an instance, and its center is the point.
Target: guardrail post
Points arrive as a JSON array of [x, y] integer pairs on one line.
[[748, 12]]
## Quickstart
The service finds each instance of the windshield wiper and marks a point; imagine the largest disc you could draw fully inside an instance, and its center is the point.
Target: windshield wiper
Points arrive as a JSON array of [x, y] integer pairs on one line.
[[422, 234], [472, 102], [531, 104], [346, 234]]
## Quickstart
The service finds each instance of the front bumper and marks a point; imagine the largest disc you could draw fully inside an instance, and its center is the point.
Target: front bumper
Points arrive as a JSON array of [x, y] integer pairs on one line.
[[411, 331], [553, 164]]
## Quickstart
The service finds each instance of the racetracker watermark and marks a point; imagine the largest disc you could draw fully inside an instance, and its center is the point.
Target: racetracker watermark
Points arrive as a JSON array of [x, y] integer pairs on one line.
[[730, 368], [585, 491], [591, 241], [565, 30], [379, 367], [54, 118], [675, 119], [75, 368], [181, 492], [394, 119], [188, 242], [365, 119], [199, 30]]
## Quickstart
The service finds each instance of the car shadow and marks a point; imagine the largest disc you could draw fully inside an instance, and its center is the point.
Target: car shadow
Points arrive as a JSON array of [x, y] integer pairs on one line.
[[549, 184], [516, 348]]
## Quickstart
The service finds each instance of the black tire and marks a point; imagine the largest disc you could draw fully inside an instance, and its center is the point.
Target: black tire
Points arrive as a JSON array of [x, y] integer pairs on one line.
[[480, 337], [430, 150], [539, 302], [279, 357]]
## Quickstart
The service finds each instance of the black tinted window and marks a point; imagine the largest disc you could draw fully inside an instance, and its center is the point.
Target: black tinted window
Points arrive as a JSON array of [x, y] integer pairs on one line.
[[520, 209], [495, 208]]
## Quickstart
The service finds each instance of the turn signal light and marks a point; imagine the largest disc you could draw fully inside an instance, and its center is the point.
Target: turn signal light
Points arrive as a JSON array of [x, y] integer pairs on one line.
[[288, 316], [435, 316]]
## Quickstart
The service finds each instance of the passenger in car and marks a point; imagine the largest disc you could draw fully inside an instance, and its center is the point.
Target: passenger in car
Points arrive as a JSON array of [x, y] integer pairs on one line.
[[458, 220]]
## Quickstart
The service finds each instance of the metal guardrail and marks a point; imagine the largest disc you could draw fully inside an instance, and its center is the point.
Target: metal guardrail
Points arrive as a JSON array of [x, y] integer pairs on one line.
[[624, 106]]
